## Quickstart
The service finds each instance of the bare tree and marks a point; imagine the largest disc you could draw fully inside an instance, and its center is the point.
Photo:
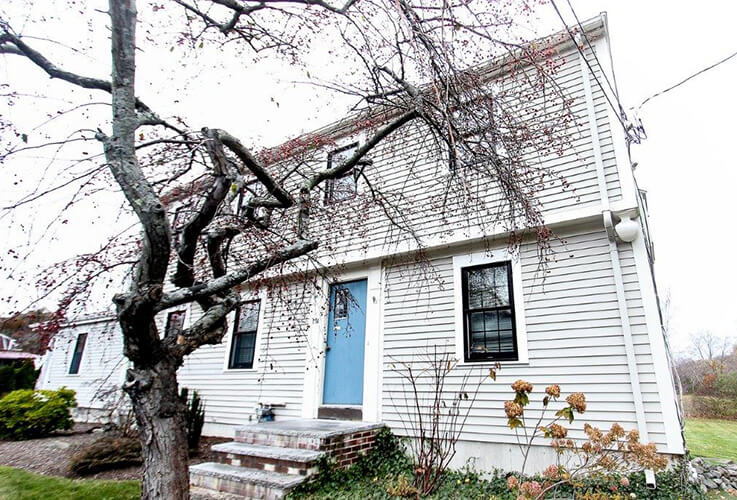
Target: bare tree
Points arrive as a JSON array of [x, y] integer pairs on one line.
[[712, 349], [417, 72]]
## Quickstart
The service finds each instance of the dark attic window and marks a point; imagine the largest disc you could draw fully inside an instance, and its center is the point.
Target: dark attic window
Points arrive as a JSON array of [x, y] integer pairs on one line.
[[346, 186]]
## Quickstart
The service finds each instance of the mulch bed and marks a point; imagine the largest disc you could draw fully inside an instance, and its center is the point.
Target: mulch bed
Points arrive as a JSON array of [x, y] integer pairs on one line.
[[52, 455]]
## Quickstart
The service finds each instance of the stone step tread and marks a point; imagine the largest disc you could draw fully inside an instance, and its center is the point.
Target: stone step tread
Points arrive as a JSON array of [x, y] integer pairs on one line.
[[196, 493], [316, 428], [264, 451], [242, 474]]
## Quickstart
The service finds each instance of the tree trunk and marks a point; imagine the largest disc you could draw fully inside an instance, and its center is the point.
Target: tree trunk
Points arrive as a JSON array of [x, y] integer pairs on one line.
[[161, 423]]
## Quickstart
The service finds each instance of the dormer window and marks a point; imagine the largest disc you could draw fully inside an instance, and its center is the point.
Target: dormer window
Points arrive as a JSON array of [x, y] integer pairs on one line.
[[344, 187]]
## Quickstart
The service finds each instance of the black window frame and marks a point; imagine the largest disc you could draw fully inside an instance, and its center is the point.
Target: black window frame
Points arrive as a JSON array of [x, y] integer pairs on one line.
[[469, 356], [238, 335], [167, 328], [330, 183], [77, 354]]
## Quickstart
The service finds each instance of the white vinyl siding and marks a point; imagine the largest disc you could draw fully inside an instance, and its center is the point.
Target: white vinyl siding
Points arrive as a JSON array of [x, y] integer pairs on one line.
[[231, 396], [102, 366], [574, 338]]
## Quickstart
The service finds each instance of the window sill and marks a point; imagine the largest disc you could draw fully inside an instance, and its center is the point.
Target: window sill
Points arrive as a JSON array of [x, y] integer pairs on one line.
[[492, 363], [240, 370]]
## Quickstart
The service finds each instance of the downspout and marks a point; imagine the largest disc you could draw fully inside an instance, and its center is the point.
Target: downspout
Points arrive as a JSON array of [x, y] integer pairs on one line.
[[616, 265]]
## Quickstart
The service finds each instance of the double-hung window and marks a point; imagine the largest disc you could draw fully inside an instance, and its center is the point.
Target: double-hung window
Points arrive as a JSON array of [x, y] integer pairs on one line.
[[243, 344], [252, 189], [344, 187], [488, 313], [77, 355], [175, 323]]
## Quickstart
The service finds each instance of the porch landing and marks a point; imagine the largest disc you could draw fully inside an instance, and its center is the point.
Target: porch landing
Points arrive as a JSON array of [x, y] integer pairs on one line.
[[267, 460]]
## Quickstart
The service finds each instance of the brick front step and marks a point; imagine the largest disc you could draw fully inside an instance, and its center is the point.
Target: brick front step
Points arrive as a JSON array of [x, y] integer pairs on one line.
[[316, 435], [268, 458], [225, 481]]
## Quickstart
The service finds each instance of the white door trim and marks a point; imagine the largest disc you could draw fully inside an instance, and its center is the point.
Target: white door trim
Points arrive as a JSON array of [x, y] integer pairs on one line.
[[315, 357]]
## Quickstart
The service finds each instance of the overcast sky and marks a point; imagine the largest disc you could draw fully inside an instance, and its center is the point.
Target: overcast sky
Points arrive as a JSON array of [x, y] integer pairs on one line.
[[686, 164]]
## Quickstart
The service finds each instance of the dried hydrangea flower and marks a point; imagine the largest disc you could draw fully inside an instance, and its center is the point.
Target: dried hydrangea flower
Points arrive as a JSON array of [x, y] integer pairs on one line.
[[553, 390], [558, 431], [577, 400], [512, 409], [522, 386], [531, 489], [551, 472]]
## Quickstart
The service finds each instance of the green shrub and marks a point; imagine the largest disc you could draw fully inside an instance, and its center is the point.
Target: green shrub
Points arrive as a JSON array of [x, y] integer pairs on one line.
[[195, 418], [712, 407], [726, 385], [27, 414], [106, 453], [17, 376]]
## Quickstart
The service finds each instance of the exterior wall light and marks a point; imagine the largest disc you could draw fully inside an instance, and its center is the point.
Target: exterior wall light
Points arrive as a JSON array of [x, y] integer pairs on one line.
[[627, 229]]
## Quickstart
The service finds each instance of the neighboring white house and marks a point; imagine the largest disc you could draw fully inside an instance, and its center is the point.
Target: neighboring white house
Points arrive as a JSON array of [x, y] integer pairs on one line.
[[87, 356], [591, 325]]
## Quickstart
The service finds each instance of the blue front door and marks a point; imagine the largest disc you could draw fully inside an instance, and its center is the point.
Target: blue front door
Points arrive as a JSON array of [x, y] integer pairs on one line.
[[345, 344]]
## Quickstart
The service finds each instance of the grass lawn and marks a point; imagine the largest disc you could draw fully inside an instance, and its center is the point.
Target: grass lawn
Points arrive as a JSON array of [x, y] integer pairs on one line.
[[17, 484], [720, 495], [712, 438]]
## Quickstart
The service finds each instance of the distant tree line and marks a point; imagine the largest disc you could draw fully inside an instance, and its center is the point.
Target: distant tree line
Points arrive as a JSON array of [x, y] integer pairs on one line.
[[710, 366]]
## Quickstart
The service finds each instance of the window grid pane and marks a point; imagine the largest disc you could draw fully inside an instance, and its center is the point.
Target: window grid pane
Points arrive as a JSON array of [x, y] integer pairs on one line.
[[489, 313], [345, 187], [243, 345]]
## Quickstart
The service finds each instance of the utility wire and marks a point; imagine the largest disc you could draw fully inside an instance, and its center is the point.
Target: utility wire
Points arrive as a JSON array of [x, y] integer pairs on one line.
[[687, 79], [593, 52], [591, 69]]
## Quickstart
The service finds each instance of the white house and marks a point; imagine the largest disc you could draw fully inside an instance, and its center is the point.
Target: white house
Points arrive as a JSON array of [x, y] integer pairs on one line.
[[590, 322]]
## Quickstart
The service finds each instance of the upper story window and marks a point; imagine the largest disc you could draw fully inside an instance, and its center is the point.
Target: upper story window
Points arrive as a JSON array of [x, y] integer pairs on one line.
[[250, 190], [77, 355], [346, 186], [175, 322], [243, 345], [488, 313]]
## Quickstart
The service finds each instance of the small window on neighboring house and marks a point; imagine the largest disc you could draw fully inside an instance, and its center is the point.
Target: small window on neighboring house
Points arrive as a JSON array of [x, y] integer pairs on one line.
[[488, 313], [243, 345], [175, 322], [346, 186], [77, 356]]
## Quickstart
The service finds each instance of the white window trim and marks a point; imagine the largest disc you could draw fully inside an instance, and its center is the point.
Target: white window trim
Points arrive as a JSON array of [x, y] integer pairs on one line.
[[261, 296], [481, 258], [360, 137]]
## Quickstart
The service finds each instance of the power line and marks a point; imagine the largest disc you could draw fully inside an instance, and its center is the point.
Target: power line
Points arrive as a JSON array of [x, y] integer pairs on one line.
[[593, 52], [733, 54], [591, 69]]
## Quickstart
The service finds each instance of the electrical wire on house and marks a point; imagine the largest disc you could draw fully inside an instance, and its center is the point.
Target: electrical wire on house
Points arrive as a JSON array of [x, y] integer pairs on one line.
[[593, 52], [631, 131], [732, 55]]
